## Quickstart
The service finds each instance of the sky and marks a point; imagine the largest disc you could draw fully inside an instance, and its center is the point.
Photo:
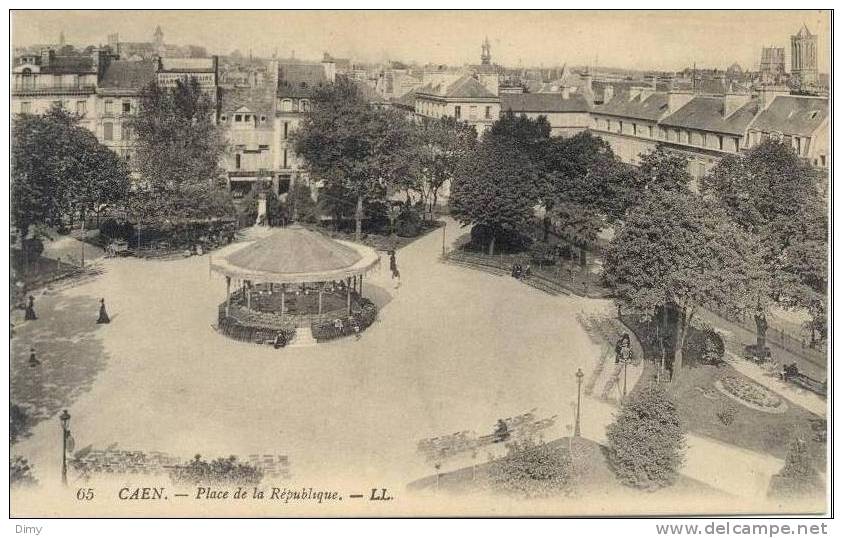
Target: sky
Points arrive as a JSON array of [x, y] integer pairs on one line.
[[663, 40]]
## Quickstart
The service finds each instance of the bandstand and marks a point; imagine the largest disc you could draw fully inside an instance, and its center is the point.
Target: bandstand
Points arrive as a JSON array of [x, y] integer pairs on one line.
[[295, 286]]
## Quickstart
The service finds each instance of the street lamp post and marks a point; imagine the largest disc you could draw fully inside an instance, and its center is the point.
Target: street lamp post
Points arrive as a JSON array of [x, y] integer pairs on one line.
[[625, 362], [443, 238], [579, 375], [65, 433]]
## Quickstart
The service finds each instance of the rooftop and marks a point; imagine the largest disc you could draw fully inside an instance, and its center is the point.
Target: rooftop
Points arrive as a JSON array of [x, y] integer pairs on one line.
[[125, 75], [192, 65], [792, 115], [707, 114], [543, 102], [298, 79], [465, 87], [652, 108]]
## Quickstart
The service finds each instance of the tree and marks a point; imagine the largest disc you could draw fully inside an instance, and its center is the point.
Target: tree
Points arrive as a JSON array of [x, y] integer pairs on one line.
[[441, 144], [774, 195], [662, 168], [58, 169], [646, 441], [495, 186], [178, 150], [492, 191], [676, 251], [352, 147], [577, 187]]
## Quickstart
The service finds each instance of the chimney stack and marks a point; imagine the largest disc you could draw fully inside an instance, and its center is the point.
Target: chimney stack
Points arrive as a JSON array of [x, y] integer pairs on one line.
[[47, 56], [608, 93], [678, 99], [734, 101]]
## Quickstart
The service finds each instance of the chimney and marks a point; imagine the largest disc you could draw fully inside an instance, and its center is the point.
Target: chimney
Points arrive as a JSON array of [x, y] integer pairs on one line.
[[634, 92], [677, 99], [734, 101], [768, 93], [47, 56], [608, 93]]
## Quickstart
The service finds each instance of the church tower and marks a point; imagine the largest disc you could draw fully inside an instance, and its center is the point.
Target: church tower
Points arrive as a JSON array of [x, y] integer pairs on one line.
[[486, 55], [159, 36], [803, 57]]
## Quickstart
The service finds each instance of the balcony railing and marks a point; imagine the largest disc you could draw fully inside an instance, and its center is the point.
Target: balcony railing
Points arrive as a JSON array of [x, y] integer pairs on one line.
[[31, 89]]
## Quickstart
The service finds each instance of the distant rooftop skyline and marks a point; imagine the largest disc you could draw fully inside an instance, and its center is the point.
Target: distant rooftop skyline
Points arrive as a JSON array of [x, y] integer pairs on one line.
[[640, 40]]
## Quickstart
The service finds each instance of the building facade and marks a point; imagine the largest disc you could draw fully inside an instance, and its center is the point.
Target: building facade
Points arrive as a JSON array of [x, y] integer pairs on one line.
[[772, 66], [464, 99], [568, 113]]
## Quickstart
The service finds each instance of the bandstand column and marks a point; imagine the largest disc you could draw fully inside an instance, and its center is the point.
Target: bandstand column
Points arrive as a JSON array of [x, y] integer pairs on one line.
[[322, 287], [283, 293], [249, 296], [348, 294], [227, 294]]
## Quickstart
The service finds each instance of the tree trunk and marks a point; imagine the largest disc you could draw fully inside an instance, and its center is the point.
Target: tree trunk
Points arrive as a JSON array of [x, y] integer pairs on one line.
[[582, 256], [679, 342], [358, 218], [492, 246], [545, 227], [760, 335]]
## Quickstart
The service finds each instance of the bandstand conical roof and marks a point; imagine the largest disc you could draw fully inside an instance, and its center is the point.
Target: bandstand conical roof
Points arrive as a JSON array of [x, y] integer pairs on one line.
[[296, 254]]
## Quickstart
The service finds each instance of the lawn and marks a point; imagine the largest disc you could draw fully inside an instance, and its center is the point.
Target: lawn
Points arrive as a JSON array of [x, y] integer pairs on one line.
[[699, 401]]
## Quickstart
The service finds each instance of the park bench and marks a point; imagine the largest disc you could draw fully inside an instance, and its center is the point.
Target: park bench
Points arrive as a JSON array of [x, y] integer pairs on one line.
[[792, 374]]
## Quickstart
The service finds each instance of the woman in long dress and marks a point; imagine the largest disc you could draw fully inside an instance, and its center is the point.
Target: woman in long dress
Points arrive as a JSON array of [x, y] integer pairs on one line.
[[30, 309], [103, 314]]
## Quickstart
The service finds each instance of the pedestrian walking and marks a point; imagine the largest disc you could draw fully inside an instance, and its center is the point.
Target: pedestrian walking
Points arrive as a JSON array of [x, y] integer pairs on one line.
[[33, 362], [30, 309], [393, 266], [103, 314]]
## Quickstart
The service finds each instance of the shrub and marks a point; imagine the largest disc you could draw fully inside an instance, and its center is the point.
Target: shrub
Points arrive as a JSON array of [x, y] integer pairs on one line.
[[20, 473], [114, 229], [646, 441], [543, 253], [220, 471], [533, 471], [727, 414], [798, 478], [32, 249], [705, 346], [505, 240], [409, 222], [18, 422]]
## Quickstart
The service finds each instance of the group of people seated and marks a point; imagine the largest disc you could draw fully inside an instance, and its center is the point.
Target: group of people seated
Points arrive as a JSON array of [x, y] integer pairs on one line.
[[520, 272]]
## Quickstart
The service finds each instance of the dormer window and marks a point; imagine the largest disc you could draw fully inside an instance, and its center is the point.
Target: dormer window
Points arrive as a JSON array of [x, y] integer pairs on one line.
[[263, 119], [238, 118]]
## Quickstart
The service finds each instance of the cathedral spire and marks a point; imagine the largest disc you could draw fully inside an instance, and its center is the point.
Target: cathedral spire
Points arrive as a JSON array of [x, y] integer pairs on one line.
[[486, 55]]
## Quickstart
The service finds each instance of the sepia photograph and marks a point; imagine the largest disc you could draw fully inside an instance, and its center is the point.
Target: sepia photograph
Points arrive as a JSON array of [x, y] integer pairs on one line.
[[421, 263]]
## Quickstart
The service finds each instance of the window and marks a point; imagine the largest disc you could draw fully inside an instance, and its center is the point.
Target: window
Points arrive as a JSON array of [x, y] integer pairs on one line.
[[57, 104], [27, 79], [620, 126], [263, 147], [284, 165], [238, 118], [108, 131], [822, 161], [286, 105], [719, 142], [635, 129], [458, 112], [286, 129], [650, 131], [488, 112], [25, 107], [127, 107], [797, 145], [305, 106], [81, 108], [108, 105], [263, 119], [237, 161]]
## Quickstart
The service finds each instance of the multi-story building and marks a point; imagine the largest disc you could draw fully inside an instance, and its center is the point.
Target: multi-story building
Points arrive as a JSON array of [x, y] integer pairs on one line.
[[464, 99], [568, 113], [247, 114], [42, 81], [803, 57], [799, 121], [118, 96], [296, 82]]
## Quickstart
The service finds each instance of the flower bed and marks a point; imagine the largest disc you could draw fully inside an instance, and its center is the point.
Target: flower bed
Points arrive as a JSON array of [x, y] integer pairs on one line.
[[345, 325], [750, 392]]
